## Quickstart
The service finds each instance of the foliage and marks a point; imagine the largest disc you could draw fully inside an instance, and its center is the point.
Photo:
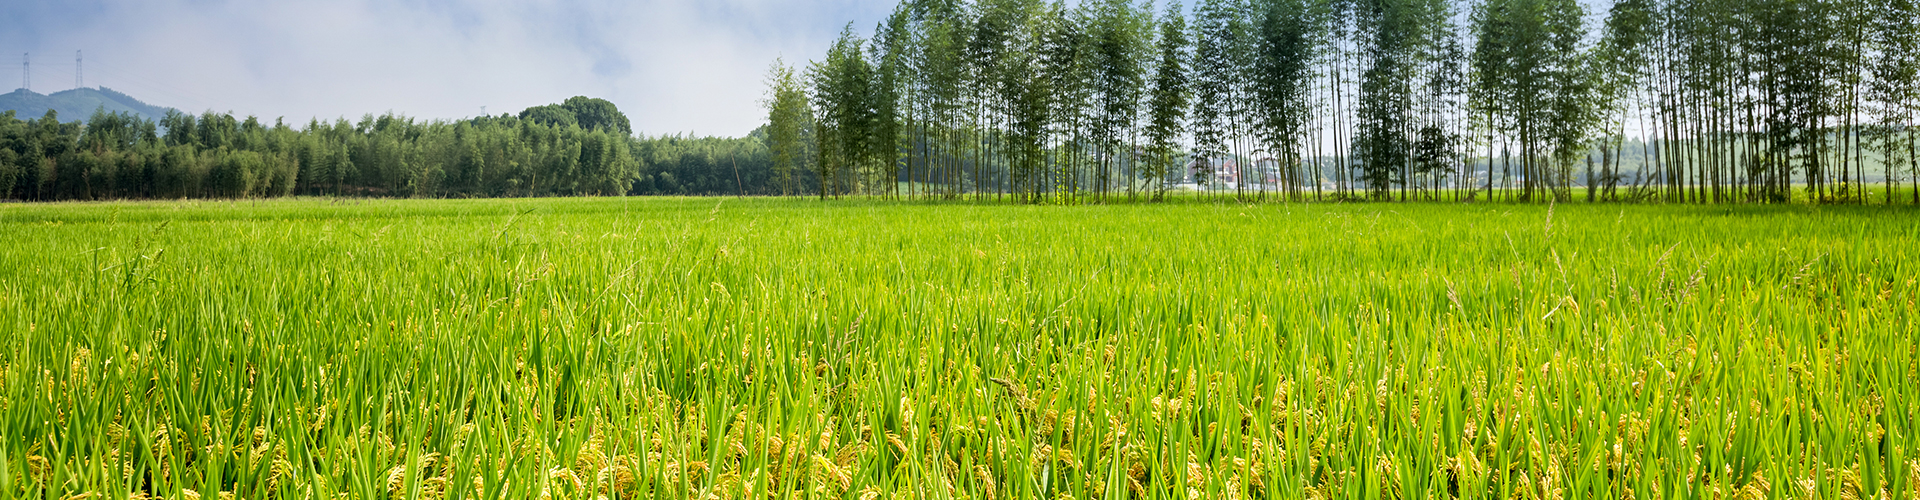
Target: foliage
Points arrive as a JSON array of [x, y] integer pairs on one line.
[[1171, 92], [789, 124], [1421, 99], [119, 156], [586, 112]]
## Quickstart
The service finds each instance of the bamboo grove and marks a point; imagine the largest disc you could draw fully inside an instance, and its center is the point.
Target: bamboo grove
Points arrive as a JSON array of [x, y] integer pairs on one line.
[[1683, 101], [546, 151]]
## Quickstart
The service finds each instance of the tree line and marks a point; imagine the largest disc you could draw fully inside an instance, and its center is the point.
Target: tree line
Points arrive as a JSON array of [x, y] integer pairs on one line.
[[1685, 101], [583, 147], [1761, 101]]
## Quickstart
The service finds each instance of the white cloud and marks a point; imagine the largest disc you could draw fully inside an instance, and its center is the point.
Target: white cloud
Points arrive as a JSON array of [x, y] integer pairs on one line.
[[674, 66]]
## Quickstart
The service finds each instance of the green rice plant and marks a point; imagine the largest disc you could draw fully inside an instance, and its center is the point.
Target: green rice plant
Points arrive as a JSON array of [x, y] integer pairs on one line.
[[779, 348]]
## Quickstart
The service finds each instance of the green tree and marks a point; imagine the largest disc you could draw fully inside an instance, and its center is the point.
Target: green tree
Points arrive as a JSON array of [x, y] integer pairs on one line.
[[552, 115], [1213, 80], [888, 141], [1028, 83], [789, 120], [943, 77], [1571, 113], [1285, 52], [598, 114], [842, 100], [1170, 96], [1621, 61], [1068, 77], [1382, 143], [9, 172], [1119, 34], [1896, 67]]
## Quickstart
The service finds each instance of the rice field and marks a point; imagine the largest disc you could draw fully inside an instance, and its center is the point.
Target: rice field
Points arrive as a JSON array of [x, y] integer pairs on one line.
[[776, 348]]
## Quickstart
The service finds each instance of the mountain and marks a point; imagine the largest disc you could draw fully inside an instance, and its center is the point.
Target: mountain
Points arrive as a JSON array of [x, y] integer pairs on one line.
[[76, 104]]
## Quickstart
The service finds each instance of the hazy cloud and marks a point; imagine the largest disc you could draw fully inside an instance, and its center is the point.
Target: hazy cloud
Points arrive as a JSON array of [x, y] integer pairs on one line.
[[672, 65]]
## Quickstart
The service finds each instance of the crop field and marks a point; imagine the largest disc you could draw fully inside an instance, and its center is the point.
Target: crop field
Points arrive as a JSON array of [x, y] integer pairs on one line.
[[778, 348]]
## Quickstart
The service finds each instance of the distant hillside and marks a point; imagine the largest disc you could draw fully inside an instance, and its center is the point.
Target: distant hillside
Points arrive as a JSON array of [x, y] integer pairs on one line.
[[76, 104]]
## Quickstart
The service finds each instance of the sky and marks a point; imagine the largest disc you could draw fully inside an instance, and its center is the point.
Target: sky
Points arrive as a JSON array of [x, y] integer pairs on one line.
[[673, 66]]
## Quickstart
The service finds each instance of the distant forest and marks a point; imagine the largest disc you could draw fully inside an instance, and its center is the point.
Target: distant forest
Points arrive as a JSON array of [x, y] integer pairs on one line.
[[1529, 100], [582, 147]]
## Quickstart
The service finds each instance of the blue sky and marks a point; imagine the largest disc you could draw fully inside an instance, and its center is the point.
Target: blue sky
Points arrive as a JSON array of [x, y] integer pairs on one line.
[[674, 66]]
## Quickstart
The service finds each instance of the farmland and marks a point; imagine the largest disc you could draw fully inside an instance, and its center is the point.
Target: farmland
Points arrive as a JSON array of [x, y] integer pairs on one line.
[[779, 348]]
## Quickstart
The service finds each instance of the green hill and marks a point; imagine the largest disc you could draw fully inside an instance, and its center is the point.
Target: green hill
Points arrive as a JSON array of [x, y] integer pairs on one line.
[[76, 104]]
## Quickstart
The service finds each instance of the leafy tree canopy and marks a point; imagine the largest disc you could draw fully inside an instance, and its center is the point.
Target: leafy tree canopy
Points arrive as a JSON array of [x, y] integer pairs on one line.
[[586, 112]]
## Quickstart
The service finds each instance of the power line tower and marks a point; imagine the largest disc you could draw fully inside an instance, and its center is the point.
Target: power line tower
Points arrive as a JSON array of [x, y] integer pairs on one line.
[[77, 81]]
